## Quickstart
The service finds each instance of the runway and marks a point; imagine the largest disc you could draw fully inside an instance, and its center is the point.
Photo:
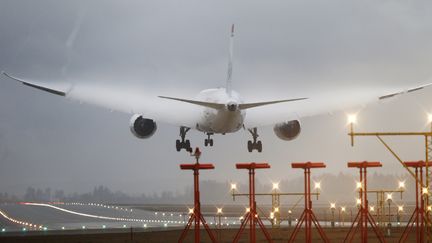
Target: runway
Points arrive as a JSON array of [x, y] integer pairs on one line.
[[170, 235]]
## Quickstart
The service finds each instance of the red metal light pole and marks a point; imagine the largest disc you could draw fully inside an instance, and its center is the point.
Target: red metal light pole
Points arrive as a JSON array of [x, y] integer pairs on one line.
[[363, 215], [418, 217], [196, 217], [252, 216], [308, 215]]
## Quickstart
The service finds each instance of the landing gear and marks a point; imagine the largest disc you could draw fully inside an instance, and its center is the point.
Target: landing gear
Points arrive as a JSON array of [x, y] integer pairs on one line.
[[252, 145], [183, 144], [209, 141]]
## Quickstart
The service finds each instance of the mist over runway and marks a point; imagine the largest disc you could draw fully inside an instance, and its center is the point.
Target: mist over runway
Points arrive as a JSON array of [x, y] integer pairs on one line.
[[283, 50]]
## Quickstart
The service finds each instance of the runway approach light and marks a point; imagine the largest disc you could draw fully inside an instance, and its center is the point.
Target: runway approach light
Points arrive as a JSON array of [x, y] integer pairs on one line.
[[401, 184], [400, 208], [359, 185], [425, 190], [233, 186], [275, 186], [191, 210], [358, 201], [3, 230], [429, 208], [247, 210], [343, 209], [317, 185], [271, 215], [352, 118], [219, 210], [389, 196], [430, 117], [371, 208], [276, 210], [332, 205]]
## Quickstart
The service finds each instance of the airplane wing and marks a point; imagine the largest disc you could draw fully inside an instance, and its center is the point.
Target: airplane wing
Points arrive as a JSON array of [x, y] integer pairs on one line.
[[126, 100], [53, 90], [134, 101], [325, 102]]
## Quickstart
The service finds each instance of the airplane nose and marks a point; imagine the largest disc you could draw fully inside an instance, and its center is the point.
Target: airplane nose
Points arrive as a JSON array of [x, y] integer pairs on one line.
[[232, 106]]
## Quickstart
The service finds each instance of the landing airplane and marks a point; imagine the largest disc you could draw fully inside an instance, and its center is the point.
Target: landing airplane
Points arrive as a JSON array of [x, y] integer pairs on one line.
[[222, 110]]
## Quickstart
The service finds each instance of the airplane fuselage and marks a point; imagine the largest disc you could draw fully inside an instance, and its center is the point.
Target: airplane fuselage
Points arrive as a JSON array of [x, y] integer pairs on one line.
[[227, 120]]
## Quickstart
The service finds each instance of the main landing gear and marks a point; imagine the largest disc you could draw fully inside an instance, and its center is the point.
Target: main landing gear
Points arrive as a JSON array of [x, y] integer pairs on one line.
[[209, 141], [183, 144], [254, 145]]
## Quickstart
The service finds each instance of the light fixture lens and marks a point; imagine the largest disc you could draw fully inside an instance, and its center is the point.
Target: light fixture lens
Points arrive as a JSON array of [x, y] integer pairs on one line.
[[352, 118]]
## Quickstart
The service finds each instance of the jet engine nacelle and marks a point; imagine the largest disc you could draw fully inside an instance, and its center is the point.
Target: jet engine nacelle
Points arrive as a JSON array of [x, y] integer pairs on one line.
[[287, 130], [142, 127]]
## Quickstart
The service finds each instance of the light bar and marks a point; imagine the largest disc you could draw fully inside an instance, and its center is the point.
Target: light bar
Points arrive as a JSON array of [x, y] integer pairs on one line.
[[254, 165]]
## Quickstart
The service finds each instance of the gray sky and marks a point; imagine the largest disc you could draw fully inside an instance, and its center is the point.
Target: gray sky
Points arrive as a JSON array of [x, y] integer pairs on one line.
[[282, 48]]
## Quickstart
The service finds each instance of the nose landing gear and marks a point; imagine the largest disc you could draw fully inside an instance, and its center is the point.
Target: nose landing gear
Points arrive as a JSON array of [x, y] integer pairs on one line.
[[254, 144], [208, 141], [183, 144]]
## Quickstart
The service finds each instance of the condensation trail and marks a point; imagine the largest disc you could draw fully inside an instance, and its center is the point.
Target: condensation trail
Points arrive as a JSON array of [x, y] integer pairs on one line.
[[72, 37]]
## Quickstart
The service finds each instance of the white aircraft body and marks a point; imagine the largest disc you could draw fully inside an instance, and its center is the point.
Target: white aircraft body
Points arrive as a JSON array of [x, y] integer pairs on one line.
[[222, 110]]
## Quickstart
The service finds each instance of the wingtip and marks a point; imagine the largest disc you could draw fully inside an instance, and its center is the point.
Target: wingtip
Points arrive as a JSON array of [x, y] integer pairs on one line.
[[5, 74]]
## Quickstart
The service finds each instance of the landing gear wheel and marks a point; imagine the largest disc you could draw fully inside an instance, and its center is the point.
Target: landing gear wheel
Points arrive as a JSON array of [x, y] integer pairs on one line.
[[259, 146], [250, 146], [208, 141], [183, 143], [178, 145], [254, 144]]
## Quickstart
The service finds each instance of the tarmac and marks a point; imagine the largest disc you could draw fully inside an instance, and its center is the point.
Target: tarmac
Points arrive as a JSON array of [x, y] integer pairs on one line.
[[226, 235]]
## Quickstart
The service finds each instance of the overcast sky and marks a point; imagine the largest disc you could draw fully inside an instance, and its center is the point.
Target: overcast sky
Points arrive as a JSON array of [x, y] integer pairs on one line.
[[282, 48]]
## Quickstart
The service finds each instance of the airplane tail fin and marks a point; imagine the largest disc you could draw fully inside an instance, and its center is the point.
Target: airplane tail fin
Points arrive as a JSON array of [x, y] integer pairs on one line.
[[230, 64]]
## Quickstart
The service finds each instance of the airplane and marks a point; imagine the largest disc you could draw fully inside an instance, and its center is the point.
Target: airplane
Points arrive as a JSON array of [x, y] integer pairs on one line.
[[222, 110]]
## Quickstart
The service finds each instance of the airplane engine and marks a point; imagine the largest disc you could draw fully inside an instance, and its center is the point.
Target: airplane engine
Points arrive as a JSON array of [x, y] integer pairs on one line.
[[287, 130], [142, 127]]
